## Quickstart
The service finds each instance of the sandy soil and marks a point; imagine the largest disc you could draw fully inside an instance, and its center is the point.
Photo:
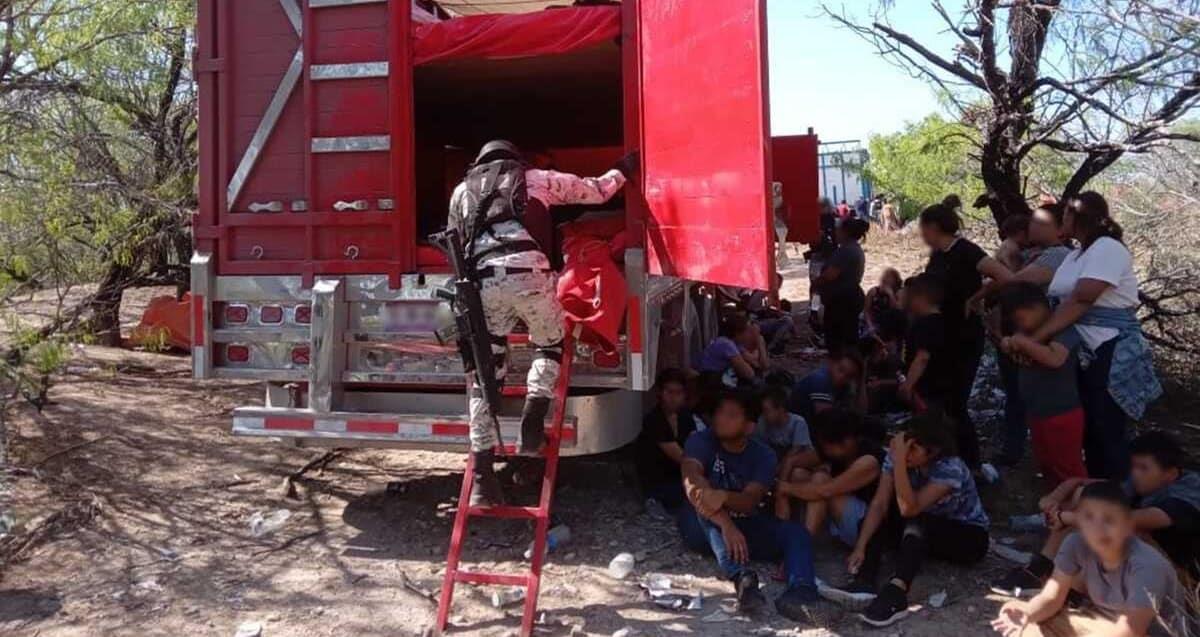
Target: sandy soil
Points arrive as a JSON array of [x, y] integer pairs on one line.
[[171, 552]]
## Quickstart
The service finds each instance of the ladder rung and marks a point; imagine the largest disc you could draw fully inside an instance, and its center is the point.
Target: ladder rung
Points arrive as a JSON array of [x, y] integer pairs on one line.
[[504, 579], [508, 512]]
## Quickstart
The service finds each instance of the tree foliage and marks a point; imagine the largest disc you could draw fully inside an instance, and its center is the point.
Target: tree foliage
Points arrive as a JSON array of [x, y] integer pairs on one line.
[[99, 132], [1087, 80], [922, 163]]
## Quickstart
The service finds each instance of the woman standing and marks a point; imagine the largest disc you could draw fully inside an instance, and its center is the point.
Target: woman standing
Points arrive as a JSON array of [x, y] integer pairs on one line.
[[840, 285], [959, 265], [1097, 293], [1046, 236]]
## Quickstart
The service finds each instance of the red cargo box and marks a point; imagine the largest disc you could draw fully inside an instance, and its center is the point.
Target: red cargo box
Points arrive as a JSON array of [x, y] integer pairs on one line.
[[316, 118]]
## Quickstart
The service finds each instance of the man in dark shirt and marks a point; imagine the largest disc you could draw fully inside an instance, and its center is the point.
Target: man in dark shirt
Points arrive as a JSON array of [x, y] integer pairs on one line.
[[726, 474], [827, 385], [929, 372], [660, 446], [1166, 498]]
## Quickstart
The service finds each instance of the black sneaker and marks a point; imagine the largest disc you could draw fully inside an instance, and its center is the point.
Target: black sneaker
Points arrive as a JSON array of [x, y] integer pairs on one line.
[[749, 597], [798, 605], [1018, 582], [855, 594], [889, 607]]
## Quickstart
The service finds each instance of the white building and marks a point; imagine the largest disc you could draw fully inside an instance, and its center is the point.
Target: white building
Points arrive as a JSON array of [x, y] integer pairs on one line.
[[840, 165]]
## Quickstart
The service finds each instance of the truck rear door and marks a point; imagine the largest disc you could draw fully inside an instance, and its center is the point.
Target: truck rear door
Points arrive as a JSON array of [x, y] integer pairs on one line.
[[307, 137], [705, 140], [794, 164]]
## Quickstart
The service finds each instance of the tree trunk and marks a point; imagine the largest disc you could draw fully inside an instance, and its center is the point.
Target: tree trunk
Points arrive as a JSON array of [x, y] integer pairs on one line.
[[1001, 173], [105, 321]]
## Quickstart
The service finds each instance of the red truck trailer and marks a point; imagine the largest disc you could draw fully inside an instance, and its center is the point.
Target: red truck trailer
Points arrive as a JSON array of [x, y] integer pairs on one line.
[[332, 131]]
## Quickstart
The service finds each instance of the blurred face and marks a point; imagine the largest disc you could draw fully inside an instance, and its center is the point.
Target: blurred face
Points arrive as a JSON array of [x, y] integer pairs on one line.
[[843, 371], [774, 414], [932, 235], [729, 421], [1027, 320], [890, 279], [672, 397], [747, 338], [1148, 476], [1043, 230], [915, 303], [1105, 526], [918, 455]]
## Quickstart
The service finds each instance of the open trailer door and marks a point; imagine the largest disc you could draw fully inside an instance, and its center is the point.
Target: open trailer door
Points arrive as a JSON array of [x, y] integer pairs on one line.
[[705, 140]]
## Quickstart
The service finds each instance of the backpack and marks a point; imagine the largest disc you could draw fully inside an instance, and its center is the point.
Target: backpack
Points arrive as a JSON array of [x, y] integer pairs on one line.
[[498, 191]]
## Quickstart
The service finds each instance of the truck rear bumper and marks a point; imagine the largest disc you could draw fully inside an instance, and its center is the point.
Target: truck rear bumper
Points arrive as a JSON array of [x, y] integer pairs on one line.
[[594, 423]]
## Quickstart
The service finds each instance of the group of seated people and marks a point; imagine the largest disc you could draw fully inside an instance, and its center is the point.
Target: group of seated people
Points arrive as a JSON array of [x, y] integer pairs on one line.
[[769, 469]]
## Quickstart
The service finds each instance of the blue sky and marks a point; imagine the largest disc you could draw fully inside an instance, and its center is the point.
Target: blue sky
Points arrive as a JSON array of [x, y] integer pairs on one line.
[[828, 78]]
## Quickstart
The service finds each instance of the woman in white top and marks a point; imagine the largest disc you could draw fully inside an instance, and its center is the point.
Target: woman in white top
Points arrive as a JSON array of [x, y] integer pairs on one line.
[[1097, 294]]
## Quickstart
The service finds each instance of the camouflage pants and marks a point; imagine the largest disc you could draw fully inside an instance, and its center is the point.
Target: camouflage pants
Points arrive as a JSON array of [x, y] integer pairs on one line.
[[532, 299]]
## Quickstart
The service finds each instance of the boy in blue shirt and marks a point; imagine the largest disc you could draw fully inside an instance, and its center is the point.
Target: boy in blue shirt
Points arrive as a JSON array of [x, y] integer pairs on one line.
[[726, 476]]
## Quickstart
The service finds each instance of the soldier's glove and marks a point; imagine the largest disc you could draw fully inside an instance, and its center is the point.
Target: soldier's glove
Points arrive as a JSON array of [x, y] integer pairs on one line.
[[630, 165]]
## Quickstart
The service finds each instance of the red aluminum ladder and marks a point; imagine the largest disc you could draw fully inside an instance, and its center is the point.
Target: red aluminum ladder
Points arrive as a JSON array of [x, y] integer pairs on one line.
[[539, 514]]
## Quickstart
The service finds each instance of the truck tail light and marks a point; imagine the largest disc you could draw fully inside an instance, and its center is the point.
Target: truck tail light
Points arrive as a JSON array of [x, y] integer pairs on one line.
[[300, 355], [236, 313], [237, 353], [304, 314], [608, 360], [271, 314]]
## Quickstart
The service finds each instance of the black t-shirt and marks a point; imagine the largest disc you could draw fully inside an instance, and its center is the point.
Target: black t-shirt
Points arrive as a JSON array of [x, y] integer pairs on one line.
[[850, 262], [866, 448], [654, 467], [1181, 540], [929, 333], [958, 270]]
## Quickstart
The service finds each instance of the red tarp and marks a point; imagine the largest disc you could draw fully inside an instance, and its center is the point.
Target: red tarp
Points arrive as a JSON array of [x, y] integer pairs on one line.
[[167, 322], [499, 36], [592, 292]]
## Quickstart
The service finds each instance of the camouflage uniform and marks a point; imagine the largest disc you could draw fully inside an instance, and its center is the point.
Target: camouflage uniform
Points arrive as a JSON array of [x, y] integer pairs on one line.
[[529, 296]]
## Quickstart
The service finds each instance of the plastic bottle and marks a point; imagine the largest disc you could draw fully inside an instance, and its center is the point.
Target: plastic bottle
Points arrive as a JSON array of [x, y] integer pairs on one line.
[[555, 537]]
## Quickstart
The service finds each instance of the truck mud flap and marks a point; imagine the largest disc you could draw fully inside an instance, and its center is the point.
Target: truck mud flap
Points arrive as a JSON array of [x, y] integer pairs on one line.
[[400, 429]]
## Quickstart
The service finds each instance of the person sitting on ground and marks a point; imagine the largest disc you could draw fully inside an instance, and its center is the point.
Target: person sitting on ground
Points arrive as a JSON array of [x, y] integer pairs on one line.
[[1014, 250], [881, 354], [929, 369], [1047, 383], [884, 297], [928, 505], [838, 492], [785, 433], [1167, 501], [737, 355], [1132, 584], [832, 383], [659, 447], [726, 475]]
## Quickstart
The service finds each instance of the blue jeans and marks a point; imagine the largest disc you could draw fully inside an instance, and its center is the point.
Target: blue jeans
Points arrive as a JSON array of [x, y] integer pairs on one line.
[[768, 538]]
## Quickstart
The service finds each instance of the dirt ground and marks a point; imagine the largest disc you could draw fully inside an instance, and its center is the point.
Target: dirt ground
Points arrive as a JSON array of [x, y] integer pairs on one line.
[[153, 499]]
